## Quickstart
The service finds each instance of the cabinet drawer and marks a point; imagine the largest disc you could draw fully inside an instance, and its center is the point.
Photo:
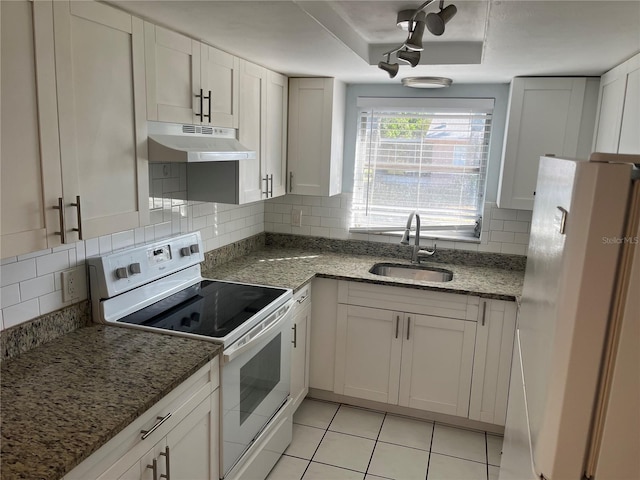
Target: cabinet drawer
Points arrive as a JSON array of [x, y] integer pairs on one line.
[[129, 445], [426, 302]]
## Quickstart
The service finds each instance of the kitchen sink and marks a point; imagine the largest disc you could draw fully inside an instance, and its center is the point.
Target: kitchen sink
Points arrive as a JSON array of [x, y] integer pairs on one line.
[[412, 272]]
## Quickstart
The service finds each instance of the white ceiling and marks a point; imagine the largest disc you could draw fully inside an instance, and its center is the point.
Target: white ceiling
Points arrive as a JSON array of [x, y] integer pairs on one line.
[[494, 39]]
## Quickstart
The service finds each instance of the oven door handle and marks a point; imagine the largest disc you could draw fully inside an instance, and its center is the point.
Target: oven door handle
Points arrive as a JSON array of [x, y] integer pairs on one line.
[[234, 352]]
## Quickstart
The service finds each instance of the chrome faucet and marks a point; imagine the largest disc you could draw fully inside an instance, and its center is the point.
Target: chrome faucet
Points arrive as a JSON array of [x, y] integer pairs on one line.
[[417, 253]]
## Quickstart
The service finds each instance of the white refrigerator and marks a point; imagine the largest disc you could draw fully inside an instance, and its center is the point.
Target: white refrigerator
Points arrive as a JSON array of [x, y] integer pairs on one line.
[[574, 398]]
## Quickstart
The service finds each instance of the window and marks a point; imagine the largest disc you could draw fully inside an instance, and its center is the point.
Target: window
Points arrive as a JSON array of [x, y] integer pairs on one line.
[[426, 154]]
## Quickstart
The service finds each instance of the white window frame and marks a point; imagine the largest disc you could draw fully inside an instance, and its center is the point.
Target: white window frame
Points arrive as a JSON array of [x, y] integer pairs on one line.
[[468, 233]]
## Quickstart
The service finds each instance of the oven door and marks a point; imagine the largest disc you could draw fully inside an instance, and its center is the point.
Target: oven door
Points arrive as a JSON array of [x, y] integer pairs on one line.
[[255, 383]]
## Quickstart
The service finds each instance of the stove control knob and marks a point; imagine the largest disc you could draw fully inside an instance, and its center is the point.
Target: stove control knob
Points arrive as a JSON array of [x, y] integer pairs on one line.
[[195, 248], [135, 268], [185, 251], [122, 272]]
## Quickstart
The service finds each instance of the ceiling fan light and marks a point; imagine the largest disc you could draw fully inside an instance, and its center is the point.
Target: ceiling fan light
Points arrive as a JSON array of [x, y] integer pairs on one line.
[[427, 82], [436, 21], [390, 68], [409, 56]]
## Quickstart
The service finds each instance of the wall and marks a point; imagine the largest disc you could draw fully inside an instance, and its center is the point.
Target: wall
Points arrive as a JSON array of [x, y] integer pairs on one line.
[[30, 284]]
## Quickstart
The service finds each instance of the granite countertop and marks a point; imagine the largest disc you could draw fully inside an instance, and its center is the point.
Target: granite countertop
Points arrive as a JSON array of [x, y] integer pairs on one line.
[[63, 400], [293, 268]]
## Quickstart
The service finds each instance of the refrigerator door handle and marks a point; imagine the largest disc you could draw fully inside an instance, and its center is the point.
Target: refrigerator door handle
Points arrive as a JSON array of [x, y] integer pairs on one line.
[[563, 219]]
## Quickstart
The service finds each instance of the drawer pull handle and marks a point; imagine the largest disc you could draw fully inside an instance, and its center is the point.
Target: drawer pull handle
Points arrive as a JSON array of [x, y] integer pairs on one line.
[[165, 454], [302, 299], [295, 336], [161, 420], [154, 469]]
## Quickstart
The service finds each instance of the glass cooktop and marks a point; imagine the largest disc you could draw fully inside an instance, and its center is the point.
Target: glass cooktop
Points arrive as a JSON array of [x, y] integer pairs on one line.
[[211, 308]]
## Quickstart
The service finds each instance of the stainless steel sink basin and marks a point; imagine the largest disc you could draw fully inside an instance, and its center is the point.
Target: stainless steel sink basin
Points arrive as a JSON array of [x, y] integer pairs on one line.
[[412, 272]]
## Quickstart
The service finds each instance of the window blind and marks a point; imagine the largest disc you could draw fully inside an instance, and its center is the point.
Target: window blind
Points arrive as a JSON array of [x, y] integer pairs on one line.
[[427, 158]]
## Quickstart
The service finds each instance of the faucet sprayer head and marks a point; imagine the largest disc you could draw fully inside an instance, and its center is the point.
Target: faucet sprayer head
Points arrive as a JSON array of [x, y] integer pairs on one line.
[[405, 238]]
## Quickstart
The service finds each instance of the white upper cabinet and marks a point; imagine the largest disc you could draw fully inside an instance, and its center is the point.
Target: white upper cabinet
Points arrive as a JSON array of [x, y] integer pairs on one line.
[[546, 116], [275, 160], [31, 179], [188, 81], [618, 118], [99, 70], [252, 128], [316, 136], [172, 64]]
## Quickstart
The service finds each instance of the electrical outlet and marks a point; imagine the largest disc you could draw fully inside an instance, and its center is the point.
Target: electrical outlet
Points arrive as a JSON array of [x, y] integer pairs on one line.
[[296, 218], [71, 286]]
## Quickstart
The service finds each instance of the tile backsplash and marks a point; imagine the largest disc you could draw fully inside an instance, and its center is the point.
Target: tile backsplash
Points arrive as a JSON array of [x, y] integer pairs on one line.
[[31, 286], [503, 230]]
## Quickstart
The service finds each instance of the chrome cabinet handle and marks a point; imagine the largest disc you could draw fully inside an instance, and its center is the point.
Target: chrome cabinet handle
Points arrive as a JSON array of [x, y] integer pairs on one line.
[[271, 189], [165, 454], [302, 299], [161, 420], [79, 213], [266, 190], [397, 324], [563, 219], [484, 312], [154, 469], [60, 208], [408, 326], [290, 182], [201, 114], [295, 336], [208, 117]]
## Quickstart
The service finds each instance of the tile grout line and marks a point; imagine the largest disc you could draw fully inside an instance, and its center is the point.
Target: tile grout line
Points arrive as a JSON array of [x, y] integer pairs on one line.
[[319, 443], [375, 444], [433, 433], [486, 453]]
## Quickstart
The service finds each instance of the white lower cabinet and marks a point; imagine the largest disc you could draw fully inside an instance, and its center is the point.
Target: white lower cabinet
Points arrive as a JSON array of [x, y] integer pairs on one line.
[[438, 352], [416, 361], [301, 346], [176, 438], [492, 361]]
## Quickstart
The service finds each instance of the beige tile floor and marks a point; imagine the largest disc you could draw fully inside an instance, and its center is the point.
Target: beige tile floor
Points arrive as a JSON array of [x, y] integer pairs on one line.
[[338, 442]]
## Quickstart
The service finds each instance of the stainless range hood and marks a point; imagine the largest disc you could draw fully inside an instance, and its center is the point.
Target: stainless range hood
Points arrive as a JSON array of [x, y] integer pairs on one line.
[[173, 142]]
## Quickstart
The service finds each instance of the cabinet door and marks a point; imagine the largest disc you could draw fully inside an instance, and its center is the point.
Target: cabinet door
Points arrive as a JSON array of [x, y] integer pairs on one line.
[[437, 359], [322, 345], [310, 106], [172, 63], [31, 178], [630, 128], [300, 355], [368, 349], [220, 81], [544, 118], [143, 467], [99, 54], [193, 444], [607, 132], [492, 361], [275, 164], [252, 125]]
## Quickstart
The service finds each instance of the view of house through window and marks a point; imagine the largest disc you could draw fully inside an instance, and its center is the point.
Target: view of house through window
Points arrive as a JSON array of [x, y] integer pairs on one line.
[[424, 155]]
